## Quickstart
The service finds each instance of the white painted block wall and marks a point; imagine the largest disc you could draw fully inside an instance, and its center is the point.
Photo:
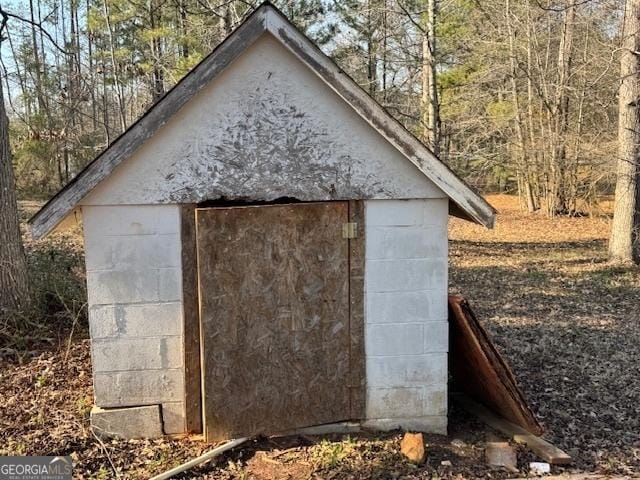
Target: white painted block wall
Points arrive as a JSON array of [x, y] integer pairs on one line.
[[406, 329], [133, 256], [134, 287]]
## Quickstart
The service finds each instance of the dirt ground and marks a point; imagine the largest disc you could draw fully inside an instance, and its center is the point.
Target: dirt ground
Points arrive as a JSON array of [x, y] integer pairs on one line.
[[565, 319]]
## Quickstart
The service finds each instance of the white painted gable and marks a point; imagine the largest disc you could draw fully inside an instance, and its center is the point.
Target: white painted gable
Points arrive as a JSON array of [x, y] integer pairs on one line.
[[267, 127]]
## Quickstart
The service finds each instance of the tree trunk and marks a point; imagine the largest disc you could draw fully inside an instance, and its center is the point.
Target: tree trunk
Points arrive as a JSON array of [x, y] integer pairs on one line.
[[430, 110], [623, 245], [14, 282], [560, 201], [525, 190], [157, 75], [115, 67]]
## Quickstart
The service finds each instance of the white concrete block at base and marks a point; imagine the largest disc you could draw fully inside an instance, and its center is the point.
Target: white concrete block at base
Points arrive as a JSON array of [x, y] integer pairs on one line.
[[401, 402], [407, 370], [127, 423], [406, 275], [130, 219], [418, 307], [435, 400], [117, 389], [150, 353], [395, 402], [173, 417], [429, 424], [138, 320], [394, 339]]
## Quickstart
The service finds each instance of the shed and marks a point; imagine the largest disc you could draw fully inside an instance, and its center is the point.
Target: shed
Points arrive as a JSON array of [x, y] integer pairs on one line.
[[266, 249]]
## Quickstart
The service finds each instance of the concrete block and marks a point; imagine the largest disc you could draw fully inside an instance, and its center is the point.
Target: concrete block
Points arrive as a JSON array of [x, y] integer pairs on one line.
[[394, 339], [121, 389], [173, 417], [501, 454], [395, 402], [406, 242], [409, 402], [435, 400], [148, 353], [130, 220], [127, 423], [429, 424], [111, 287], [138, 320], [394, 212], [406, 307], [405, 275], [436, 212], [436, 337], [131, 252], [169, 284], [407, 371]]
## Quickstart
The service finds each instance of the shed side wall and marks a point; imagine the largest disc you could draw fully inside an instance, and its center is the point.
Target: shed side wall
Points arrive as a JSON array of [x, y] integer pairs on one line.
[[134, 286], [406, 329]]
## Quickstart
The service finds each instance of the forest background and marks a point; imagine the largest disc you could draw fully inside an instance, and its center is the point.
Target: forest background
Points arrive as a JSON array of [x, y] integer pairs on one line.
[[516, 96]]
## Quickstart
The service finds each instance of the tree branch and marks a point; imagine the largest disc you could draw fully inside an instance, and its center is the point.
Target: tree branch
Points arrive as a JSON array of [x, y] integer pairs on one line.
[[5, 18]]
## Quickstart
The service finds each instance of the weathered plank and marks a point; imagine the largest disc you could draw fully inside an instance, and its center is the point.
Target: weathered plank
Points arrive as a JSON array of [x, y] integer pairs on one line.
[[274, 310], [478, 369], [191, 321], [545, 450], [356, 311]]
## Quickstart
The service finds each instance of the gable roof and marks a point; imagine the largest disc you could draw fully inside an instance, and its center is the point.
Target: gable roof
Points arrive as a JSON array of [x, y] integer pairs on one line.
[[465, 203]]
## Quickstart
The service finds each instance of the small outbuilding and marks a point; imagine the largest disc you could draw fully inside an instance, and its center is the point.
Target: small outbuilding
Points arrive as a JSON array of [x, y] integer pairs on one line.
[[266, 249]]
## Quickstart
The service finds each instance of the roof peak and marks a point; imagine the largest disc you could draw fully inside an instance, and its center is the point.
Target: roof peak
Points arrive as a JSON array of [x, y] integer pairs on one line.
[[265, 18]]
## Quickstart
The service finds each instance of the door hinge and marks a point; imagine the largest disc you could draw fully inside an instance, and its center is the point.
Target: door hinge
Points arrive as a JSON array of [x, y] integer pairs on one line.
[[350, 230]]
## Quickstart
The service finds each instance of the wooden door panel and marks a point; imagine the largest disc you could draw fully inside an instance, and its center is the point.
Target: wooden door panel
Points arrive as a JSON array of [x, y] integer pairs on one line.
[[274, 310]]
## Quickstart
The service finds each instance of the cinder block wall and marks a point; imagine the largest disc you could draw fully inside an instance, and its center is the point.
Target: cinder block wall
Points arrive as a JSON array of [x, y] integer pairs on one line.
[[134, 286], [406, 329], [133, 256]]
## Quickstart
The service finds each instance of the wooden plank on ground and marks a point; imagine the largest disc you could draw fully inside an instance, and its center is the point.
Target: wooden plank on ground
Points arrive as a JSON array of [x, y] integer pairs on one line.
[[545, 450]]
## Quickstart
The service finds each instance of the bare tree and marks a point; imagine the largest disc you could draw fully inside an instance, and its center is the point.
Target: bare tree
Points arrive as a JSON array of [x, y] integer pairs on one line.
[[624, 243], [429, 101], [14, 283]]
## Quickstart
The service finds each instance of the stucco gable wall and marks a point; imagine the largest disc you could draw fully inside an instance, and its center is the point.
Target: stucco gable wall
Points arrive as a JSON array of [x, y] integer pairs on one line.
[[267, 127]]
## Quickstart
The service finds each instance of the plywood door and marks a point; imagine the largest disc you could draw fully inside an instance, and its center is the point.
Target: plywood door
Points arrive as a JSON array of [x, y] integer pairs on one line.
[[274, 310]]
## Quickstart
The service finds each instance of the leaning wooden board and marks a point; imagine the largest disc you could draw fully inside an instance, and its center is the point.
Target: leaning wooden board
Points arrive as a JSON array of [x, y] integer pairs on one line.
[[274, 310], [478, 370]]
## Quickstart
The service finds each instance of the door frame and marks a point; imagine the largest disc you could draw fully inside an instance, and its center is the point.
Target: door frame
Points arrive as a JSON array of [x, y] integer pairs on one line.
[[194, 408]]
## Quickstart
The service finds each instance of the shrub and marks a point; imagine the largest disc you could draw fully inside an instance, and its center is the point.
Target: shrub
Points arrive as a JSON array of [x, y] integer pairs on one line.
[[57, 309]]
